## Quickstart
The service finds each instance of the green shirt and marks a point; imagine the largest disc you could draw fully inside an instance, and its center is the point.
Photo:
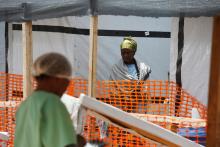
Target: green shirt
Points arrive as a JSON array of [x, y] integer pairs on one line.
[[43, 121]]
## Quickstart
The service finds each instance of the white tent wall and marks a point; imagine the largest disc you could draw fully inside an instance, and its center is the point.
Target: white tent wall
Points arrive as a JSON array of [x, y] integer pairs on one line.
[[153, 51], [195, 57], [2, 46]]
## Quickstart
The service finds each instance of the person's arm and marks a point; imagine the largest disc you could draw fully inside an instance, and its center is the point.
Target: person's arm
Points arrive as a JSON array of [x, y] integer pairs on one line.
[[81, 142], [147, 75]]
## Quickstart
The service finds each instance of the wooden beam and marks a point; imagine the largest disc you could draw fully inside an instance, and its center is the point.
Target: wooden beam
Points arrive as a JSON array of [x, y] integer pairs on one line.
[[92, 55], [130, 123], [213, 133], [27, 58]]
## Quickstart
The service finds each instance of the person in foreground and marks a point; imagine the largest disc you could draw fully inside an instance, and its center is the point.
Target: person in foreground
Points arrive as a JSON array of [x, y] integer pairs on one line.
[[42, 119]]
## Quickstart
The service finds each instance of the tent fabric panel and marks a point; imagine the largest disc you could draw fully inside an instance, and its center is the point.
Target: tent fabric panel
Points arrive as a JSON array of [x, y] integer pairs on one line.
[[158, 8], [195, 57], [2, 47], [154, 51], [23, 10]]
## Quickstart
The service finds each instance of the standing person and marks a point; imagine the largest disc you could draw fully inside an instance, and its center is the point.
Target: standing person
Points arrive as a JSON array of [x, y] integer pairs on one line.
[[125, 94], [42, 119], [128, 68], [128, 74]]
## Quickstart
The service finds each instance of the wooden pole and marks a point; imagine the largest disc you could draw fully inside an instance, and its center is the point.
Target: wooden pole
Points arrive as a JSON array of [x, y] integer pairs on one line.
[[27, 58], [93, 55], [213, 133]]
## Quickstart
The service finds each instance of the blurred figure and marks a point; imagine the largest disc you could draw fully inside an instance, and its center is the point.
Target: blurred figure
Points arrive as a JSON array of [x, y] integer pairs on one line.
[[42, 119]]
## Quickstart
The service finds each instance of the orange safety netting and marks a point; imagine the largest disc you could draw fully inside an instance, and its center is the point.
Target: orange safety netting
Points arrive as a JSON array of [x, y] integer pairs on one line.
[[154, 100], [117, 136]]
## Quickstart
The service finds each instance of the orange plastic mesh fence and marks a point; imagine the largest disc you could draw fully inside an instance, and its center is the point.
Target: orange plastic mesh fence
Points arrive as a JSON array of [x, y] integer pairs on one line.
[[116, 136], [10, 90], [150, 98], [120, 137]]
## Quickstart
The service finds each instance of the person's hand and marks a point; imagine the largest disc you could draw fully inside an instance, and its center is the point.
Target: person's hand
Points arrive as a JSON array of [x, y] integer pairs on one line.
[[81, 141]]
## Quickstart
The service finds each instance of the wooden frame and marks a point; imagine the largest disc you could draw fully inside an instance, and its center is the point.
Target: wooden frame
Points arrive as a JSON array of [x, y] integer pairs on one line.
[[213, 132], [92, 55], [214, 87], [142, 128], [27, 58]]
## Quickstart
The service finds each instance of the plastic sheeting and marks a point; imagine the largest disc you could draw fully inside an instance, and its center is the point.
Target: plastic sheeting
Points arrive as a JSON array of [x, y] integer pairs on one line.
[[73, 106], [21, 10], [153, 51], [2, 46], [195, 57]]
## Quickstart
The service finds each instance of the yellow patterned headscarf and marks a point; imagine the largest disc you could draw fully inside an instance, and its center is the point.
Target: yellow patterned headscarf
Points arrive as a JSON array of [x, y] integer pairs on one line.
[[129, 43]]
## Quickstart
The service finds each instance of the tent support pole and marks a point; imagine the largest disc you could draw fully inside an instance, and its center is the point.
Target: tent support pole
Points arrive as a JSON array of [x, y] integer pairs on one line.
[[27, 57], [92, 55], [213, 133]]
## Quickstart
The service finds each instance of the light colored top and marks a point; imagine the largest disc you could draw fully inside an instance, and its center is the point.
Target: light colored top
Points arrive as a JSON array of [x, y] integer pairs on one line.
[[43, 121], [120, 71], [132, 71], [77, 113]]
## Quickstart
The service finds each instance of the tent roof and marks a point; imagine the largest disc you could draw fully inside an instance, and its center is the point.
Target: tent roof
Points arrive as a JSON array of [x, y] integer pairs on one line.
[[21, 10]]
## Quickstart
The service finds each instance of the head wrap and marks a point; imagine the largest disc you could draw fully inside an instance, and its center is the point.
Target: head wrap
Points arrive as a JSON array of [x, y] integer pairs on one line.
[[52, 64], [129, 43]]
